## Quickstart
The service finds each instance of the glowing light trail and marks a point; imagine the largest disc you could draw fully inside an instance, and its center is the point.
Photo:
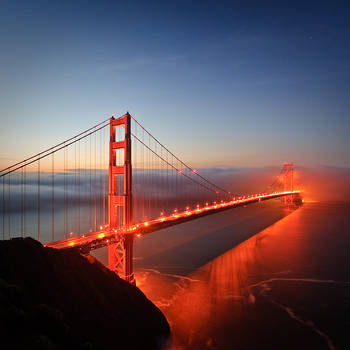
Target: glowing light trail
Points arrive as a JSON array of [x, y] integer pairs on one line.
[[104, 237]]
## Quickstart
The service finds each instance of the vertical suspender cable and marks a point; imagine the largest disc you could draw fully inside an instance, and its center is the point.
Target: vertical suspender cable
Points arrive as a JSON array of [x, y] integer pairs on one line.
[[104, 179], [39, 200], [164, 183], [166, 206], [3, 207], [143, 180], [104, 200], [149, 179], [95, 226], [101, 174], [176, 189], [100, 183], [53, 197], [75, 189], [9, 208], [64, 192], [85, 180], [90, 202], [155, 191], [79, 187], [24, 201]]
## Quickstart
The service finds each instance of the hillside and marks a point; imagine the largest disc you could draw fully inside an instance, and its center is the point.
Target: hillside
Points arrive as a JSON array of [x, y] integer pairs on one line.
[[56, 299]]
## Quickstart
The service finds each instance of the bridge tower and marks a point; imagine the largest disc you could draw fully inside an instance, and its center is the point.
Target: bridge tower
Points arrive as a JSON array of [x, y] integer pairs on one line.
[[120, 196], [288, 182]]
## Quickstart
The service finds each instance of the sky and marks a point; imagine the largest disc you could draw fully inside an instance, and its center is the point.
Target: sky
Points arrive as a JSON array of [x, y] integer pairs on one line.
[[220, 83]]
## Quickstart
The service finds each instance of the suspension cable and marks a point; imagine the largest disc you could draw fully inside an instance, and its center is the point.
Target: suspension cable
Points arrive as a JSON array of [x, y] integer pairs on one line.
[[51, 148], [65, 144], [167, 162], [184, 164]]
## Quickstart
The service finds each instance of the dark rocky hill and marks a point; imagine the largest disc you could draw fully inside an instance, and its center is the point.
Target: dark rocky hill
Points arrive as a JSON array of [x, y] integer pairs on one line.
[[56, 299]]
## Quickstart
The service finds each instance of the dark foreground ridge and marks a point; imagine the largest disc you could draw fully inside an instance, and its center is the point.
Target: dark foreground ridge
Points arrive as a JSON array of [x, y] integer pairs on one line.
[[57, 299]]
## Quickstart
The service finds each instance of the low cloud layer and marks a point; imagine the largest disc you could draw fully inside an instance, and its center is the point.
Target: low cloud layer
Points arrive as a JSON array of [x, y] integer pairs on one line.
[[317, 184]]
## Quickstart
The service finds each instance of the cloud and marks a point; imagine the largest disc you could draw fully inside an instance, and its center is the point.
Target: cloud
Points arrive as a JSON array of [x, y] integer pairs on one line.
[[317, 184]]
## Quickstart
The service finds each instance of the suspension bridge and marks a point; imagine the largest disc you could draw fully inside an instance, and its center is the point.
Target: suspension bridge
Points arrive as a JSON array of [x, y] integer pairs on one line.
[[109, 184]]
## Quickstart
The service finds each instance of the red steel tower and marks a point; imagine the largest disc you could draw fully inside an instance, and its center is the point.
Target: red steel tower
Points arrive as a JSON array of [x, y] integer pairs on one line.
[[288, 185], [120, 196]]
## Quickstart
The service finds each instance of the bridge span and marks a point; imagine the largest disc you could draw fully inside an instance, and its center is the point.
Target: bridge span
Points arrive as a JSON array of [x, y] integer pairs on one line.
[[106, 236], [110, 184]]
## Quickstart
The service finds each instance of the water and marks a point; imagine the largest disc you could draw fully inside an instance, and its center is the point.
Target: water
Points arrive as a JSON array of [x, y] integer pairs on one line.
[[260, 277]]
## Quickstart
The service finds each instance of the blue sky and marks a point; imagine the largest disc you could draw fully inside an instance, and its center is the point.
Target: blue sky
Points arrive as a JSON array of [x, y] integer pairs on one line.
[[238, 83]]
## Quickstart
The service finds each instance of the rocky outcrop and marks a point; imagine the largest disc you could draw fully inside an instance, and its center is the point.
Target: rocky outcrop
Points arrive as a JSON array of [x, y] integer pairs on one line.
[[60, 299]]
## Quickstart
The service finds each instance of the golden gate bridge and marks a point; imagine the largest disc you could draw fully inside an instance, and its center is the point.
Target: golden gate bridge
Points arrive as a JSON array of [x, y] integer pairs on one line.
[[110, 184]]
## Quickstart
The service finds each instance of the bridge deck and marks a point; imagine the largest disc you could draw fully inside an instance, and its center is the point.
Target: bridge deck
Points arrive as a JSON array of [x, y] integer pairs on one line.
[[105, 236]]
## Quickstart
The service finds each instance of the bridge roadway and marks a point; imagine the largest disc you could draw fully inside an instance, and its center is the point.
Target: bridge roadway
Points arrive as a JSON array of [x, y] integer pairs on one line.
[[105, 236]]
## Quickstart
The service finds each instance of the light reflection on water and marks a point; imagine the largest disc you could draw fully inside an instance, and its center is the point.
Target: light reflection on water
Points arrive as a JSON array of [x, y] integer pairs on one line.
[[252, 278], [260, 293]]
